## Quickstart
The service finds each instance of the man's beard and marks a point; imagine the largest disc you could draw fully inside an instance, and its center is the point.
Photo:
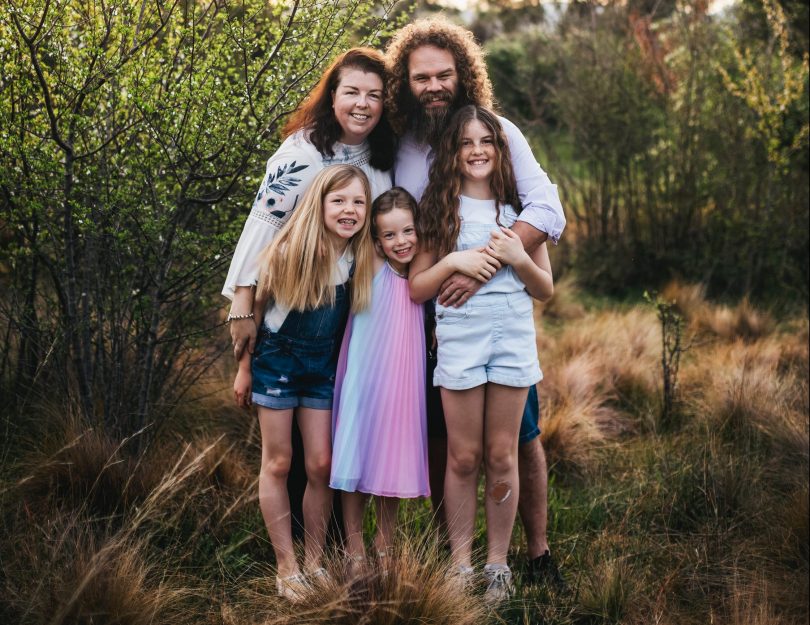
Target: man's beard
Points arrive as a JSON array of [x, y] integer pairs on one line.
[[428, 124]]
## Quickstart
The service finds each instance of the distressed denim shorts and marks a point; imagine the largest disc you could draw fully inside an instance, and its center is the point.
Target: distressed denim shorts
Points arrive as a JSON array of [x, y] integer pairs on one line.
[[290, 371], [491, 338]]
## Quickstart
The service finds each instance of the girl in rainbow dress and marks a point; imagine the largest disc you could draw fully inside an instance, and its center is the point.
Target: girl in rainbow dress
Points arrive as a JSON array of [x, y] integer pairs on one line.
[[379, 421]]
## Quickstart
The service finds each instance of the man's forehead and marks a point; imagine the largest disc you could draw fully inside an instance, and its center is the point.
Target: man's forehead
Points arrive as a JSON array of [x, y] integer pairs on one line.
[[429, 58]]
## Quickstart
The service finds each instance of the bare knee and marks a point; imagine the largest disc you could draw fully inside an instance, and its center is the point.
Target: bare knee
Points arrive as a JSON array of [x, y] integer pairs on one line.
[[277, 465], [464, 463], [318, 467], [500, 460]]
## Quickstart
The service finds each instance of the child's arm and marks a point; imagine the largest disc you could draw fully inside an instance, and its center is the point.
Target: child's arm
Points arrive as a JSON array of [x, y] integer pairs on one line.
[[426, 274], [533, 269], [243, 382]]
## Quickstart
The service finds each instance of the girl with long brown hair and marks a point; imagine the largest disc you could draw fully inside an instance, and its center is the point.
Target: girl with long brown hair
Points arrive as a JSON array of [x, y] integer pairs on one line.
[[304, 275], [487, 356]]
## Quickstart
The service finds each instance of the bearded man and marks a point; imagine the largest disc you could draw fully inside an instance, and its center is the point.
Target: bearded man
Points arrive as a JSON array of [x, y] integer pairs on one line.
[[436, 67]]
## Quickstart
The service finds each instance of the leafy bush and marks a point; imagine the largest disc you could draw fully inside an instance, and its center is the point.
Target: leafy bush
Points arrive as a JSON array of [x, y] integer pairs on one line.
[[680, 146], [132, 136]]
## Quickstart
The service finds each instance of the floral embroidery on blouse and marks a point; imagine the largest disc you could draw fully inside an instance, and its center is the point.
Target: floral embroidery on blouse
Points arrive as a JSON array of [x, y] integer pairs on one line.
[[273, 188]]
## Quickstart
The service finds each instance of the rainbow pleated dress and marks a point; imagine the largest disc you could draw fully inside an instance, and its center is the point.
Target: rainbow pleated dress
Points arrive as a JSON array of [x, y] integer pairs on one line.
[[379, 427]]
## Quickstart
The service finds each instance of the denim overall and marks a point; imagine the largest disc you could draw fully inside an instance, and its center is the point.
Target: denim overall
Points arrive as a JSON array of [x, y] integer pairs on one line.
[[296, 365]]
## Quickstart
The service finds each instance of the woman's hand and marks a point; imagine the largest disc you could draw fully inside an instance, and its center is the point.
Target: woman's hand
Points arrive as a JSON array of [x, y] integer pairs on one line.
[[475, 263], [243, 335], [243, 330], [507, 247]]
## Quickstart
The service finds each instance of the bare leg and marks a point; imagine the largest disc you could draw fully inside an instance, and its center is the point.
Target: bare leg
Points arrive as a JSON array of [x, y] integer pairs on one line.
[[276, 429], [464, 414], [533, 502], [354, 504], [316, 432], [504, 407], [386, 522]]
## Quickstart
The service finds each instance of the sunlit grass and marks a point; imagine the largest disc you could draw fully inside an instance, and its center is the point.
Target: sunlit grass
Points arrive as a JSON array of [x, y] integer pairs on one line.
[[703, 522]]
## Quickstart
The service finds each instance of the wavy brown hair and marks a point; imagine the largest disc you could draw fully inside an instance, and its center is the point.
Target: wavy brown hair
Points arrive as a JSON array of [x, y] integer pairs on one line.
[[295, 269], [395, 197], [317, 115], [437, 219], [474, 85]]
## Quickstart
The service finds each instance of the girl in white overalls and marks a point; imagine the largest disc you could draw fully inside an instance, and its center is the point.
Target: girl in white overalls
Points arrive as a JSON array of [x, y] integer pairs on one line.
[[487, 354]]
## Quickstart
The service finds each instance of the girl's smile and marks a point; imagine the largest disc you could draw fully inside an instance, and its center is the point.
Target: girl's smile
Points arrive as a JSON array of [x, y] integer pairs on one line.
[[344, 211], [477, 153], [397, 238]]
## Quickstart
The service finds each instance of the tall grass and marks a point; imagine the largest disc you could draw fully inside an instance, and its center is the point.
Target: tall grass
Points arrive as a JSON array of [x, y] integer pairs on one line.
[[707, 522]]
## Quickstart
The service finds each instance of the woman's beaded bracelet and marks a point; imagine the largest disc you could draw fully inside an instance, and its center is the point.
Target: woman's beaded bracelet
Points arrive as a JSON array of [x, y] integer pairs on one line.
[[238, 317]]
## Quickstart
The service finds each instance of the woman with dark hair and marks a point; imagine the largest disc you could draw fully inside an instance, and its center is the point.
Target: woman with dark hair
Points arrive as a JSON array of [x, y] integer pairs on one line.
[[340, 123]]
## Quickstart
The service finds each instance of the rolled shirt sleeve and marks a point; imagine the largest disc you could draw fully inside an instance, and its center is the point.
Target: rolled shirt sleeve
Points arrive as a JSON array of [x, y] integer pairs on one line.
[[542, 208], [289, 173]]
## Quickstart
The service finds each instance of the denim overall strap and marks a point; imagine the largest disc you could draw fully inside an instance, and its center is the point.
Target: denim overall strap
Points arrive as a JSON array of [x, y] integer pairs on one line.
[[324, 322]]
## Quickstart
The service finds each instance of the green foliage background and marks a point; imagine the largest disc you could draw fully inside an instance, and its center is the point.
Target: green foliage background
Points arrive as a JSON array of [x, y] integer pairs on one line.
[[133, 136], [680, 140]]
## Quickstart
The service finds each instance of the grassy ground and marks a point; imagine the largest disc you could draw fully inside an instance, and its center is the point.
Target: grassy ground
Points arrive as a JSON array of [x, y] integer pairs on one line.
[[702, 519]]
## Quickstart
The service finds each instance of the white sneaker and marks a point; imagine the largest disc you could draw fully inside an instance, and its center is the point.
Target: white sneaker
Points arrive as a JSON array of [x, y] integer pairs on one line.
[[461, 577], [499, 583], [292, 588], [320, 576]]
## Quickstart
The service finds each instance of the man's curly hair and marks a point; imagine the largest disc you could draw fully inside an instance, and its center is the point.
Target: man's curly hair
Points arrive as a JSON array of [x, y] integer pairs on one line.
[[474, 85]]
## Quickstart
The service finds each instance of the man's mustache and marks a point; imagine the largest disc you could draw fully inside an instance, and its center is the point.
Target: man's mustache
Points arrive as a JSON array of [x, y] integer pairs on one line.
[[435, 96]]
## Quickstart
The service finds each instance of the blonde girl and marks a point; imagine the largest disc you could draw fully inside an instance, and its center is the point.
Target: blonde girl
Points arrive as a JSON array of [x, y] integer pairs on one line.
[[303, 300], [487, 357]]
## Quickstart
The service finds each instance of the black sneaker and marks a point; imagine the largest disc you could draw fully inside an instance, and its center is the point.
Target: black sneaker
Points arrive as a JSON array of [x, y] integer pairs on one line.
[[543, 570]]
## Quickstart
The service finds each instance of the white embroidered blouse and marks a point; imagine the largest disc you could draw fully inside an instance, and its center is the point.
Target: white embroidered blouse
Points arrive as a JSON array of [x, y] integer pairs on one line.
[[289, 173]]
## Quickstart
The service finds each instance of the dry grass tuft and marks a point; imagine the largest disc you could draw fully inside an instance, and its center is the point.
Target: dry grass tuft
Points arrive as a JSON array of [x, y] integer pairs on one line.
[[603, 372], [565, 304], [416, 590], [609, 590], [742, 321], [625, 346], [689, 299], [740, 388], [84, 468], [74, 577], [576, 418], [223, 465], [751, 601], [792, 531]]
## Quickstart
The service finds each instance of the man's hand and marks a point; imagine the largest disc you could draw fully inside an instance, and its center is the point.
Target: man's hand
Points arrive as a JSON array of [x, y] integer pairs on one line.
[[243, 334], [457, 289]]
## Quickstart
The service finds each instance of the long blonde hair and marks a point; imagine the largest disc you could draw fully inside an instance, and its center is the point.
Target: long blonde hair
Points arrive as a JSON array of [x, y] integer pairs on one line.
[[296, 269]]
